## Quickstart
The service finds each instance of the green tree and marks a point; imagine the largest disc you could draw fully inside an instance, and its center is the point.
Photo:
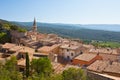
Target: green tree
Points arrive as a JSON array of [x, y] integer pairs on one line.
[[21, 30], [4, 74], [37, 77], [6, 26], [10, 70], [13, 27], [27, 65], [42, 66], [56, 77], [74, 74], [4, 37], [11, 64]]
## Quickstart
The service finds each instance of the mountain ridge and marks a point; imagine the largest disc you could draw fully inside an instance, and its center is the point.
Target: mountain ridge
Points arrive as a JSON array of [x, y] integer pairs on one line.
[[74, 31], [105, 27]]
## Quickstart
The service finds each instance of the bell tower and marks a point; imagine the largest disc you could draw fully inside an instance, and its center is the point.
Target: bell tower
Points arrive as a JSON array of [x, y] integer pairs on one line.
[[34, 28]]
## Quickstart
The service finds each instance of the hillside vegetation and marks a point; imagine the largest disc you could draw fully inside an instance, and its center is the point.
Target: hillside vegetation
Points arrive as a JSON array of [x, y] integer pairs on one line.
[[5, 28], [105, 44]]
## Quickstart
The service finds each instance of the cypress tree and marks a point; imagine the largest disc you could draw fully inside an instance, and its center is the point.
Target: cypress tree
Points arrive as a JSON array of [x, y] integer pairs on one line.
[[27, 65]]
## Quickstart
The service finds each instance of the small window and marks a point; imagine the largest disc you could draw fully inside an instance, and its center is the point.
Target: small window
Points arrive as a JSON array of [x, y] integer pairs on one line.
[[22, 56], [81, 52], [71, 54], [67, 50], [68, 57]]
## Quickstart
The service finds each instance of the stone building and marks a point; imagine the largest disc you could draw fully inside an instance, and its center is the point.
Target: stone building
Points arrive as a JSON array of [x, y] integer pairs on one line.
[[50, 51], [69, 51], [16, 36]]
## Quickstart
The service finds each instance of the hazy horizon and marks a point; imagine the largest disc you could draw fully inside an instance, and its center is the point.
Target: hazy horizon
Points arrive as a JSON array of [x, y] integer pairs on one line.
[[105, 27]]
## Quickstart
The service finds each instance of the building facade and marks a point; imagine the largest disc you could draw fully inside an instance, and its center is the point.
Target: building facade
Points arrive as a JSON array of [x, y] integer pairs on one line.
[[68, 52]]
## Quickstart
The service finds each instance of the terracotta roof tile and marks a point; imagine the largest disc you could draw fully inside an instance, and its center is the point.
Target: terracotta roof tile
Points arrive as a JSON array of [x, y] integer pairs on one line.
[[48, 48], [8, 45], [85, 57]]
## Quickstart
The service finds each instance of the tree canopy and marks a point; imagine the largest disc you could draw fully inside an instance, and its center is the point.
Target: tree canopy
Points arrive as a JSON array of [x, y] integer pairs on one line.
[[9, 70], [4, 37], [42, 66], [41, 69], [74, 74]]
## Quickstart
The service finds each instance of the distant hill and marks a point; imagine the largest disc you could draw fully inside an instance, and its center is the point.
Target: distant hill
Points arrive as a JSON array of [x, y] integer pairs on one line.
[[105, 27], [85, 32]]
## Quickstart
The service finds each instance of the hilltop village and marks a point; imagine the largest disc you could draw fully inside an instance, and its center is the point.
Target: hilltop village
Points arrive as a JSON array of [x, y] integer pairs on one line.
[[63, 53]]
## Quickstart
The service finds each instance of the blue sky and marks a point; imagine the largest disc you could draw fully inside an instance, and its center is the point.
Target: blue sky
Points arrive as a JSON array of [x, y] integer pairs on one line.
[[62, 11]]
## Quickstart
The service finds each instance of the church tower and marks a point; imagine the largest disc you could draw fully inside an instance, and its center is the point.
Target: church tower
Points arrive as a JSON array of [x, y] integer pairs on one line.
[[34, 28]]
